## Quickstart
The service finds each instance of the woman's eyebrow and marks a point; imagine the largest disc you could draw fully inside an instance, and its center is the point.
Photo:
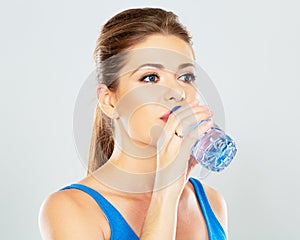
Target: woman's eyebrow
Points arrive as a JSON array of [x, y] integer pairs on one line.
[[154, 65], [184, 65], [160, 66]]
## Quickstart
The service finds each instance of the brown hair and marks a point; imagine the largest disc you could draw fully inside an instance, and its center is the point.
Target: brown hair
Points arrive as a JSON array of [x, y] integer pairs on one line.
[[121, 32]]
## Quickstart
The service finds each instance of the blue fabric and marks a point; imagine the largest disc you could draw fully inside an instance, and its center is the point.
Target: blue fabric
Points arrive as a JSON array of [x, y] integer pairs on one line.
[[214, 228], [118, 225], [120, 229]]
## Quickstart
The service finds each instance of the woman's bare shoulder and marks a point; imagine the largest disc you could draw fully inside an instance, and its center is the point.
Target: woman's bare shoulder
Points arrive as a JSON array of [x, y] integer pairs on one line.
[[64, 215], [218, 205]]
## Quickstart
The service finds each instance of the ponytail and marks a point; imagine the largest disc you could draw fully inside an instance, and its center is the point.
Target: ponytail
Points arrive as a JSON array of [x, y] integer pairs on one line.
[[102, 142]]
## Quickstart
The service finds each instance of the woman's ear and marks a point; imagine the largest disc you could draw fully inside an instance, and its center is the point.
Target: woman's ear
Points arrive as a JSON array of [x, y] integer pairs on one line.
[[106, 100]]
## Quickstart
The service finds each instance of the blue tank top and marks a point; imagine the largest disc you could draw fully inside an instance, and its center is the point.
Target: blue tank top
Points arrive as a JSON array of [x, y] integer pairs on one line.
[[120, 229]]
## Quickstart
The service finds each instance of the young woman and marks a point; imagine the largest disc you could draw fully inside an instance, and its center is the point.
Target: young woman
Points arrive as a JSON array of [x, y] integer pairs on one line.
[[138, 184]]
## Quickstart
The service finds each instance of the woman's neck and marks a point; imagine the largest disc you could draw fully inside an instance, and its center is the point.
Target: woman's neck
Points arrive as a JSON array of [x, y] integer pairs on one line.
[[140, 160]]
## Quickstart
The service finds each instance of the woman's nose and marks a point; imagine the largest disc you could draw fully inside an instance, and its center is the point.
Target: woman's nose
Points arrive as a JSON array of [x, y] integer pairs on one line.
[[175, 92]]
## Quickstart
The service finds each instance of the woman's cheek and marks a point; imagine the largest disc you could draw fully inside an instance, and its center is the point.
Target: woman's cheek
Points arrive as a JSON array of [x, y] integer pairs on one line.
[[145, 127]]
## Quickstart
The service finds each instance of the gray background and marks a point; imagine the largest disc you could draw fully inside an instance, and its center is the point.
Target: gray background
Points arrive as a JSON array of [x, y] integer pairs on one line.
[[249, 48]]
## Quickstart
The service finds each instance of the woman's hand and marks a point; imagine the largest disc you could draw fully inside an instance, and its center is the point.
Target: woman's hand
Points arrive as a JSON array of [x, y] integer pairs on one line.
[[174, 162]]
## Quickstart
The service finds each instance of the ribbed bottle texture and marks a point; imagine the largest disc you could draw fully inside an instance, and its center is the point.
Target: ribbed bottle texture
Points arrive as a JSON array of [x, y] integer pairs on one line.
[[214, 150]]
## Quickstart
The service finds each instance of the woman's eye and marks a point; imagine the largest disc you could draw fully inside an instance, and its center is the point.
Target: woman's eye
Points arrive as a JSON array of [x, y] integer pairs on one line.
[[189, 77], [153, 77]]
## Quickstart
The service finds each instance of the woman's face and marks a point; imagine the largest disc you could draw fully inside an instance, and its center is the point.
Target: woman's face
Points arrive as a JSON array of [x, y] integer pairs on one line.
[[157, 76]]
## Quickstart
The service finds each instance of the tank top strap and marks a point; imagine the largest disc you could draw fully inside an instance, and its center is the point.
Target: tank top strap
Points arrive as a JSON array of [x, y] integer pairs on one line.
[[120, 229], [214, 228]]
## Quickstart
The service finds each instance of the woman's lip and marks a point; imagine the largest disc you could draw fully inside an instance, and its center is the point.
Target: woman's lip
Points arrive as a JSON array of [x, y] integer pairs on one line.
[[166, 115]]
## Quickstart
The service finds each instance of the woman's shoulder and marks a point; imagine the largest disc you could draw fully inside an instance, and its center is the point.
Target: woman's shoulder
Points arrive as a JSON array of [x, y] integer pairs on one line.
[[64, 201], [217, 203], [67, 214]]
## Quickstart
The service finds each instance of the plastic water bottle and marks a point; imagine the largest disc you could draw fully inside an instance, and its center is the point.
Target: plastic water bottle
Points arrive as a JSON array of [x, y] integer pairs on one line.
[[214, 150]]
